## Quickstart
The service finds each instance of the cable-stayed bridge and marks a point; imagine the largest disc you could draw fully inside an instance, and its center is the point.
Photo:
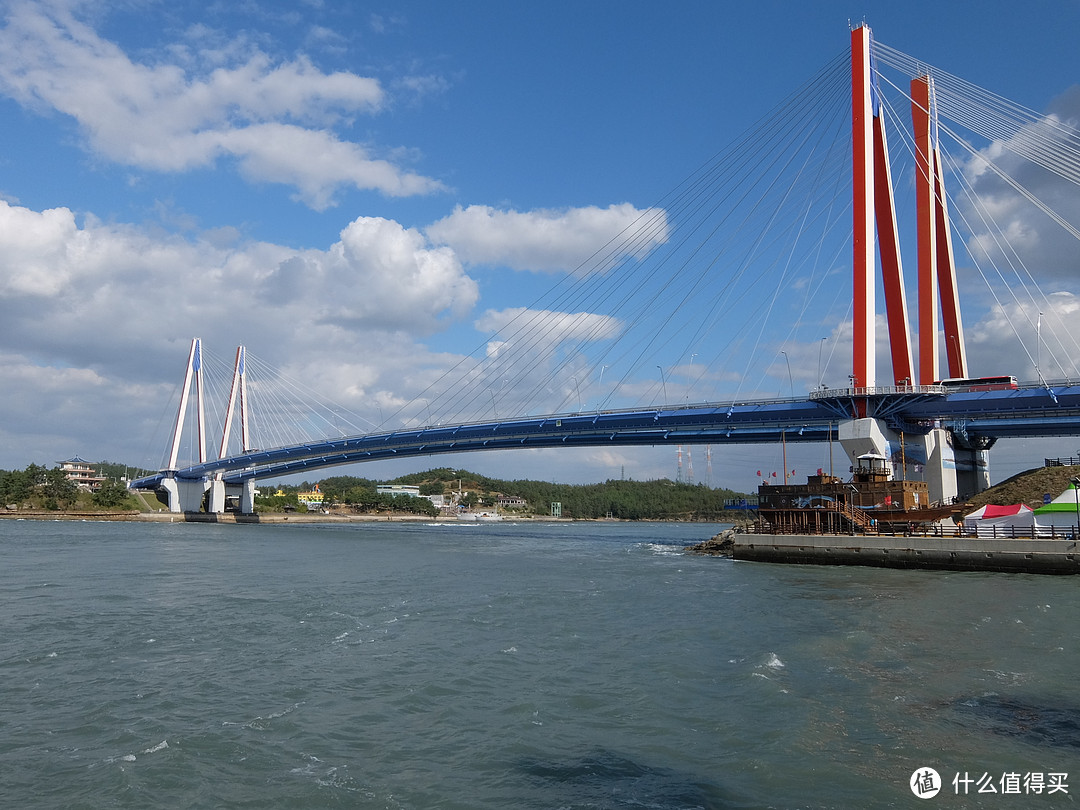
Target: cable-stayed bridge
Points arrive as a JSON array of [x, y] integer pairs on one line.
[[804, 234]]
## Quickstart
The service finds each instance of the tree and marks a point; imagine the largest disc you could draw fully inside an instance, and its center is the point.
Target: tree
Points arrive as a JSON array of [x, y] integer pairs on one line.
[[118, 471], [59, 491], [111, 495], [16, 487]]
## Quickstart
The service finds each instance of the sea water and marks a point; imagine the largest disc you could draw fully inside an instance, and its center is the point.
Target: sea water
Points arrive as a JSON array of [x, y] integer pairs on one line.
[[516, 665]]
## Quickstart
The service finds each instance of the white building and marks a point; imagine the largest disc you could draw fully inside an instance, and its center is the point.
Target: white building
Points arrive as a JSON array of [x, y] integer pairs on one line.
[[79, 470], [397, 489]]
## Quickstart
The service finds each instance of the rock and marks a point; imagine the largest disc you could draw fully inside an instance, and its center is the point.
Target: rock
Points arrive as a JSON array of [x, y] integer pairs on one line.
[[722, 545]]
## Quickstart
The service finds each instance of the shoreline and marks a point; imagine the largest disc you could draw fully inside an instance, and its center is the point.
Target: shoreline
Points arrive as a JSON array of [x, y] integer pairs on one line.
[[1060, 556], [270, 517], [280, 517], [233, 517]]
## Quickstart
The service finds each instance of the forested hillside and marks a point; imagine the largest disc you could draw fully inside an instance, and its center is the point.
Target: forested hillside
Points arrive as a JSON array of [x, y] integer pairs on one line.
[[629, 500]]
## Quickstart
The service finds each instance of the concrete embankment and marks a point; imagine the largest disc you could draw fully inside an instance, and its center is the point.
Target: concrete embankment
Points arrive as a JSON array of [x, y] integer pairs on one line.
[[1057, 556], [40, 514]]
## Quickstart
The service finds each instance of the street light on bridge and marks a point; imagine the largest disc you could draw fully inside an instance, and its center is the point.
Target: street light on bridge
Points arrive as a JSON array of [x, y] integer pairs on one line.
[[663, 382], [690, 377], [791, 387], [821, 345]]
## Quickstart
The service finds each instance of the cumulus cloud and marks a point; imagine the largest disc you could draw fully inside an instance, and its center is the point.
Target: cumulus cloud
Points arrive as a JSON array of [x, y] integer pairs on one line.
[[561, 326], [274, 118], [386, 275], [98, 310], [1002, 339], [1007, 226], [534, 362], [84, 295], [548, 240], [53, 412], [1028, 339]]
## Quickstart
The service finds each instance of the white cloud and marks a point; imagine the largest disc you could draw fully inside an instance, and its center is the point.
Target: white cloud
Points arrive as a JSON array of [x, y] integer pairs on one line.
[[383, 274], [36, 250], [535, 364], [87, 297], [1017, 228], [1010, 334], [547, 240], [100, 312], [557, 326], [273, 117]]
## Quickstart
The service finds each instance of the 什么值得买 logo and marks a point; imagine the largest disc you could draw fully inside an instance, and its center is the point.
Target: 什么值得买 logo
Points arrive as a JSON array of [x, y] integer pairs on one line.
[[925, 783]]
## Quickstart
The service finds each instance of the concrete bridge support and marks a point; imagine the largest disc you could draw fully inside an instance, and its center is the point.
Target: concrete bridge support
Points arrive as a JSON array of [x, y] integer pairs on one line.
[[220, 492], [184, 496], [247, 497], [953, 470], [949, 469], [972, 468], [216, 503]]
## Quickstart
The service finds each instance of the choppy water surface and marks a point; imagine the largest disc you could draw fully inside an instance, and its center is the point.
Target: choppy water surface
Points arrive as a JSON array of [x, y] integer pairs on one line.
[[508, 665]]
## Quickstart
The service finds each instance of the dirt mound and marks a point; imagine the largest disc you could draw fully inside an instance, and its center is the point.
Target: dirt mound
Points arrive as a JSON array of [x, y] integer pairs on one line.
[[1028, 487]]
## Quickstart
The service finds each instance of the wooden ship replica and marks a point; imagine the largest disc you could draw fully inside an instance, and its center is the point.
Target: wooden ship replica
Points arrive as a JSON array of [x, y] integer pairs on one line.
[[871, 501]]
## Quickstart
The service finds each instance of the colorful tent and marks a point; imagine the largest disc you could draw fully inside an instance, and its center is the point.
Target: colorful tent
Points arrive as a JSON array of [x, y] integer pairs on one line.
[[993, 520], [1060, 513]]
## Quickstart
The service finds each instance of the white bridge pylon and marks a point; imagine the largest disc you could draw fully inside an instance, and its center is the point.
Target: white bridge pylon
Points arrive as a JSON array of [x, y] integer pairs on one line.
[[188, 496]]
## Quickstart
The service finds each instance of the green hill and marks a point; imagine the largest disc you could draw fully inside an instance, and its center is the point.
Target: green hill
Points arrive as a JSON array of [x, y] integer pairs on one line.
[[1028, 487], [628, 500]]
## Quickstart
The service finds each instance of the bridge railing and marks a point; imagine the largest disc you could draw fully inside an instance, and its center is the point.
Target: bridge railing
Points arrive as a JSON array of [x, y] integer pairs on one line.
[[577, 416], [875, 391]]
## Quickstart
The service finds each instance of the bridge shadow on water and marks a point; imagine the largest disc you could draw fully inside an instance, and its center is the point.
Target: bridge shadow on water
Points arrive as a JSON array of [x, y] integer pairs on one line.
[[608, 779]]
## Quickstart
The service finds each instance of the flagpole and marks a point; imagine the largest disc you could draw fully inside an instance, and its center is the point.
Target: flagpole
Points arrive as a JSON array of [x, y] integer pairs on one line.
[[783, 439]]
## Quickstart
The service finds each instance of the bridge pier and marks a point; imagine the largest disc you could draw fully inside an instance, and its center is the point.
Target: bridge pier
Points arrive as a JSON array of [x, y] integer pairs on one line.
[[216, 503], [972, 465], [939, 458], [184, 495], [220, 492]]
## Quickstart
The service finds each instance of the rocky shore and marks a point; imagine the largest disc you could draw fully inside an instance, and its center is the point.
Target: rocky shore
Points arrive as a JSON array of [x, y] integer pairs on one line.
[[722, 545]]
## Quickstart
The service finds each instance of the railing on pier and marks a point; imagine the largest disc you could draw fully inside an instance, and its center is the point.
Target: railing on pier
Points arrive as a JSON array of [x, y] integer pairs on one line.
[[1061, 462], [934, 530]]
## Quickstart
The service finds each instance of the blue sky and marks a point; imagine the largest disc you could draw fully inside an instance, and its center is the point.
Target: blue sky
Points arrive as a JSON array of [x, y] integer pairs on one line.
[[349, 188]]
